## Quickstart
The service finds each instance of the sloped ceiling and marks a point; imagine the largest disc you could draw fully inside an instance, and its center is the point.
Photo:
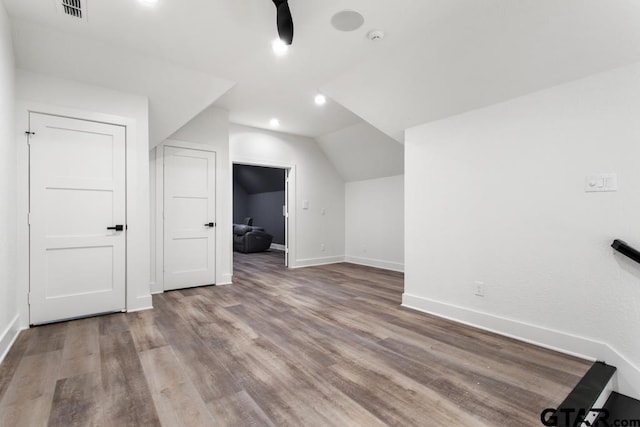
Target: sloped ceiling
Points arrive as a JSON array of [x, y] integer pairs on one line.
[[439, 58], [176, 94], [489, 52], [362, 152], [258, 179]]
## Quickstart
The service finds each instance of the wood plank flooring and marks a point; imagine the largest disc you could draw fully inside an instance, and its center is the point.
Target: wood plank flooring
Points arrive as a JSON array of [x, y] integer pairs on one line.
[[320, 346]]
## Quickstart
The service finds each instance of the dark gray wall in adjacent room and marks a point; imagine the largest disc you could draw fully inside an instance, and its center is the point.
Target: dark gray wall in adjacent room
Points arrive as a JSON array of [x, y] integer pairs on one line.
[[266, 211], [258, 192], [240, 203]]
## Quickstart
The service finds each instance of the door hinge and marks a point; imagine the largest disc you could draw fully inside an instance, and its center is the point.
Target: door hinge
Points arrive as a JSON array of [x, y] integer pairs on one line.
[[29, 298], [29, 218]]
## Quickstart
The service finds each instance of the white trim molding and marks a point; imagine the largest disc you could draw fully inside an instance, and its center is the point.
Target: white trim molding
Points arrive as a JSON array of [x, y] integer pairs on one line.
[[628, 375], [144, 302], [277, 247], [377, 263], [227, 279], [311, 262], [9, 336]]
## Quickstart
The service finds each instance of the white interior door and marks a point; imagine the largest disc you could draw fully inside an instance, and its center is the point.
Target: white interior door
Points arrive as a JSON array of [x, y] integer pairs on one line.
[[189, 218], [77, 190]]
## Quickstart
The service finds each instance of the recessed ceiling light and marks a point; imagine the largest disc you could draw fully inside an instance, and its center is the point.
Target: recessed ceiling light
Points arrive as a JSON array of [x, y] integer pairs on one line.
[[275, 123], [149, 2], [320, 99], [279, 47]]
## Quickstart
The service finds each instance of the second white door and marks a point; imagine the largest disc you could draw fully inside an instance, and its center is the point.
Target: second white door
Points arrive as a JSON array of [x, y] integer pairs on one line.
[[189, 218]]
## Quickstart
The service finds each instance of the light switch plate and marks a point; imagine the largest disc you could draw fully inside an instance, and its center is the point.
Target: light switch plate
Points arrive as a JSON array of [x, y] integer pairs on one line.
[[600, 183]]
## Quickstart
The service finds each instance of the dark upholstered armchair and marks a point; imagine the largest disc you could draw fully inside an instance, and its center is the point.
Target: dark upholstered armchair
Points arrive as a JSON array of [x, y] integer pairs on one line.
[[248, 239]]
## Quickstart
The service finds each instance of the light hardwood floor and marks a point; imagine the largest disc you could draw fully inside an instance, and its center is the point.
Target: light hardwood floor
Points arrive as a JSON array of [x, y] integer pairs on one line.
[[317, 346]]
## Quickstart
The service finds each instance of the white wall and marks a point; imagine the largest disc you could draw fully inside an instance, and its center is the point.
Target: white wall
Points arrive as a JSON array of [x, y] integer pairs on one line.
[[8, 310], [374, 216], [209, 130], [38, 92], [46, 50], [497, 195], [317, 181], [361, 152]]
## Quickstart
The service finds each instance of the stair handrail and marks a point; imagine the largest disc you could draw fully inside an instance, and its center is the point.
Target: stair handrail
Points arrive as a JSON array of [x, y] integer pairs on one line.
[[626, 250]]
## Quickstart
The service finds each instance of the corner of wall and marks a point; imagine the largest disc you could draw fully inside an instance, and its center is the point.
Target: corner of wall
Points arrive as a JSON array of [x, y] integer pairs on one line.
[[9, 336]]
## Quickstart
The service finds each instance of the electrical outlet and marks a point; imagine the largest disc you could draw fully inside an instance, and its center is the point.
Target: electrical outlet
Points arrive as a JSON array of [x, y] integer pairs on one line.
[[322, 247], [479, 287]]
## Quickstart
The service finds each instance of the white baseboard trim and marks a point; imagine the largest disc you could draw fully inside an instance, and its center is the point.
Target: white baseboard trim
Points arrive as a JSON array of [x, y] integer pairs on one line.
[[156, 288], [277, 247], [311, 262], [143, 302], [378, 263], [9, 336], [135, 310], [224, 284], [586, 348], [627, 378]]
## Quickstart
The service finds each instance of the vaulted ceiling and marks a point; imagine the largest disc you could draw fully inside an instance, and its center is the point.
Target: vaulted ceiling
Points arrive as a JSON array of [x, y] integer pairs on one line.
[[258, 179], [438, 58]]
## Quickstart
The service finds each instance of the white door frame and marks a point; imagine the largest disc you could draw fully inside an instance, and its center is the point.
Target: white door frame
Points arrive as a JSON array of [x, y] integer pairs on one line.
[[158, 209], [23, 109], [291, 202]]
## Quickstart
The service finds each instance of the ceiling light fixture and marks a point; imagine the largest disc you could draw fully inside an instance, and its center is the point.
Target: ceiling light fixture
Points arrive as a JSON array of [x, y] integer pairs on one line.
[[279, 47], [149, 2], [320, 99], [275, 123]]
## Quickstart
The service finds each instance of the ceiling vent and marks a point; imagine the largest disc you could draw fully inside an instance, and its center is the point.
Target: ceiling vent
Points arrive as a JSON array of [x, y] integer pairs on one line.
[[73, 8]]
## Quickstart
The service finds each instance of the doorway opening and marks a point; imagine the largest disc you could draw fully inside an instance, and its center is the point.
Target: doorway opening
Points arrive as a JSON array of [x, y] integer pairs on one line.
[[260, 209]]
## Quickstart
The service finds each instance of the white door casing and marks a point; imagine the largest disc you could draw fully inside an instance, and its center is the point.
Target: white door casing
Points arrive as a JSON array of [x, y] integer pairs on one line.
[[189, 217], [286, 217], [77, 190]]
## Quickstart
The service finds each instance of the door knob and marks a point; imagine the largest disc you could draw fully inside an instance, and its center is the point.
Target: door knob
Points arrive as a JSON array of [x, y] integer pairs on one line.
[[116, 228], [211, 224]]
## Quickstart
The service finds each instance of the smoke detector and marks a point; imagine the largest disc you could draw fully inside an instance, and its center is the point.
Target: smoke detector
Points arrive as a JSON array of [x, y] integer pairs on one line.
[[375, 35], [76, 9]]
